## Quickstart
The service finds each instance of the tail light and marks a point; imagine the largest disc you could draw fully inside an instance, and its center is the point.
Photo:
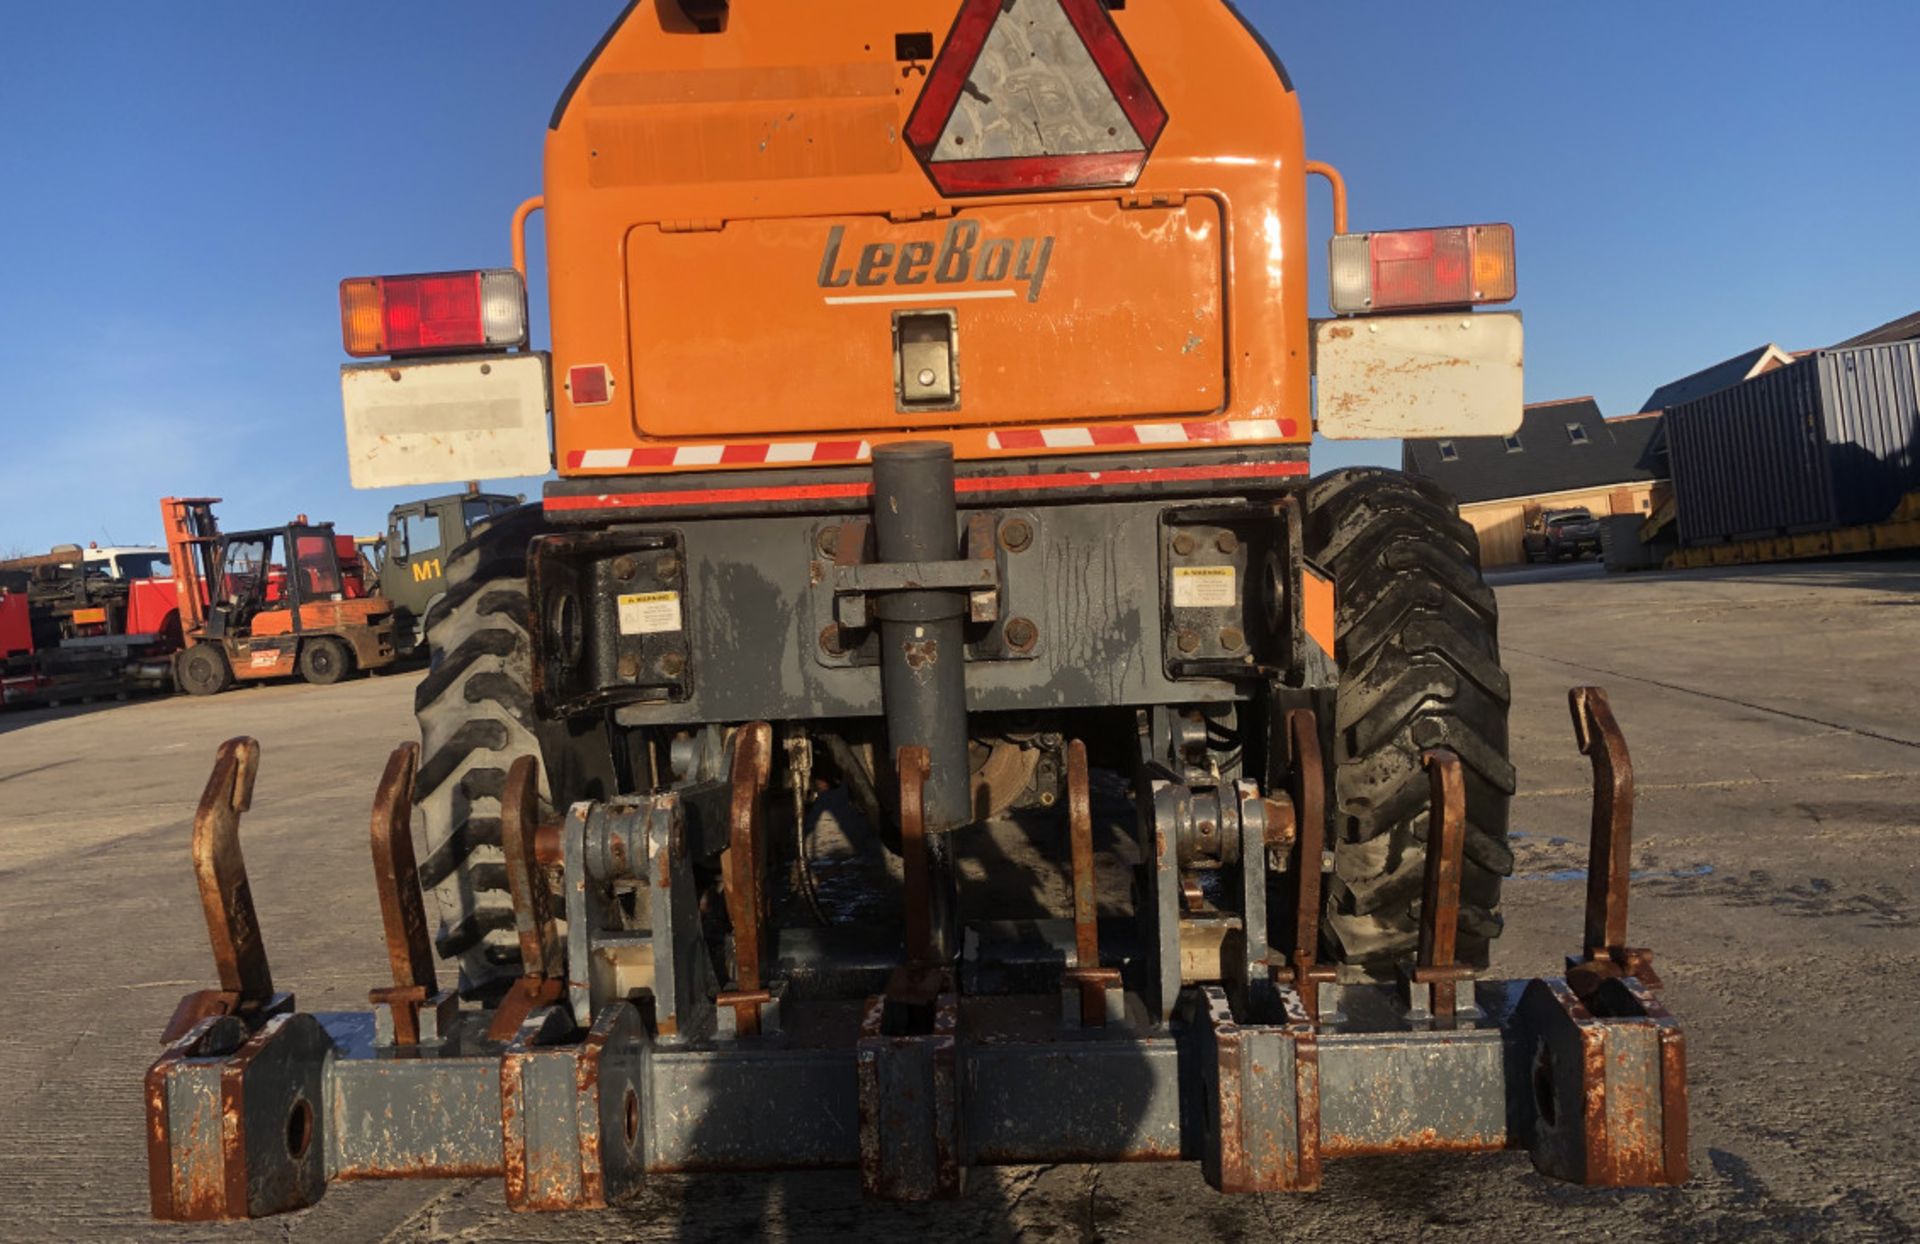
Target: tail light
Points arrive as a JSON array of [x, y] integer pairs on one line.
[[1412, 268], [433, 312]]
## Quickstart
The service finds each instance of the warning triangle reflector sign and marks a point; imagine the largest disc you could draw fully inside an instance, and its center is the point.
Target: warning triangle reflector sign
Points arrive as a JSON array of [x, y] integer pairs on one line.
[[1034, 95]]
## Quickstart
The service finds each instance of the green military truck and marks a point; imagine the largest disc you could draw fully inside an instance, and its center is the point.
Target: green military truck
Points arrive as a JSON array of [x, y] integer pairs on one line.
[[410, 562]]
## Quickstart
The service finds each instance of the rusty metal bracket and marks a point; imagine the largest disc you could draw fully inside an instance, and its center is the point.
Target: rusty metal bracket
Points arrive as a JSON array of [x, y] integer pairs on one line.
[[743, 868], [915, 764], [906, 1058], [1093, 993], [983, 547], [1261, 1098], [1301, 733], [226, 897], [573, 1116], [236, 1125], [1604, 952], [1440, 908], [522, 831], [414, 1009], [1609, 1063], [909, 1093], [542, 979], [1608, 1074]]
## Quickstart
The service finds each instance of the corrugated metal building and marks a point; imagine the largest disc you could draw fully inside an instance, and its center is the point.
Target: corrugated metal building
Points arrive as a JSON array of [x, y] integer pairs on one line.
[[1565, 456], [1831, 441]]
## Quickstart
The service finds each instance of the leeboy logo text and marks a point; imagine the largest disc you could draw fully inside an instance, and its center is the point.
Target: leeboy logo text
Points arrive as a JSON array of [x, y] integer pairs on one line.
[[958, 258]]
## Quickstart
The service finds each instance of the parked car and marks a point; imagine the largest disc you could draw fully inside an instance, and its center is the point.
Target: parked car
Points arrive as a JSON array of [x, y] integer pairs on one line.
[[1564, 534]]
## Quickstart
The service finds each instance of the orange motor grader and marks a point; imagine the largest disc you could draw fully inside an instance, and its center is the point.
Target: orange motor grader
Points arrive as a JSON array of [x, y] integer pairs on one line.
[[930, 392]]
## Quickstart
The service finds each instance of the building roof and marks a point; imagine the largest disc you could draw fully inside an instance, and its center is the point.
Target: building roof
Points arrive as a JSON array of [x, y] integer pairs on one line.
[[1906, 328], [1551, 456], [1723, 375]]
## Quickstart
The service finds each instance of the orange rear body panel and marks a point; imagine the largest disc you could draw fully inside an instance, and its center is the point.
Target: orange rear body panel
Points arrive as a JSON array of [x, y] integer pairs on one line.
[[735, 219]]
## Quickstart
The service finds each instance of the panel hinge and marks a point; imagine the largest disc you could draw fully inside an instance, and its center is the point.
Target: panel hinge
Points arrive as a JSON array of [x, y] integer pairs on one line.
[[907, 215], [1154, 198]]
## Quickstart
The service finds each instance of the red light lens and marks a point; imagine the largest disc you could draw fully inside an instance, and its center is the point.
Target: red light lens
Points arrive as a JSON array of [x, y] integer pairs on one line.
[[433, 312], [1430, 268]]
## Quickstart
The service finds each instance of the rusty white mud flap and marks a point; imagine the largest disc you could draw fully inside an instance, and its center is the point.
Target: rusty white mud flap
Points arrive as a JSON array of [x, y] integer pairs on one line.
[[621, 1054], [1459, 374]]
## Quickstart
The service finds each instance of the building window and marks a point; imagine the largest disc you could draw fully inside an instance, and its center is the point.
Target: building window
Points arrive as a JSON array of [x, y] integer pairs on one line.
[[1577, 433], [1513, 443], [1448, 453]]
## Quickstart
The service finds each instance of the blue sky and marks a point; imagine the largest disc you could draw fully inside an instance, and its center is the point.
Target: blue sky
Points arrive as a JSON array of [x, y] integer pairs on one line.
[[182, 185]]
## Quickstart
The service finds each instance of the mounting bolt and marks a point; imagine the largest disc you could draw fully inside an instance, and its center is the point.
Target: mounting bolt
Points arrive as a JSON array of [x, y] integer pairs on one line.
[[671, 664], [1231, 639], [1016, 535], [1022, 634], [624, 567], [629, 667], [1187, 641], [828, 542], [1227, 542], [1183, 543], [667, 568], [830, 641]]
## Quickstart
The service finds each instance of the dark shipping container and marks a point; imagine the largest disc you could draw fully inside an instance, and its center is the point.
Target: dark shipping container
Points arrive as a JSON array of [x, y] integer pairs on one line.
[[1830, 441]]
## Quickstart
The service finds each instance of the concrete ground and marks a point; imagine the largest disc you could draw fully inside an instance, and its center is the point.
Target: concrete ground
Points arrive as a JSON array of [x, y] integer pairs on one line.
[[1772, 716]]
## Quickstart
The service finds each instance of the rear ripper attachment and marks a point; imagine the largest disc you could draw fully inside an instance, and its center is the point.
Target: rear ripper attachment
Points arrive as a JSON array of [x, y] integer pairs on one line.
[[623, 1052]]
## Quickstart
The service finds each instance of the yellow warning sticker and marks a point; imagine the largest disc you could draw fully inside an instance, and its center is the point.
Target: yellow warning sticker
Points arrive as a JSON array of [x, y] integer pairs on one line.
[[262, 658], [1205, 587], [649, 613]]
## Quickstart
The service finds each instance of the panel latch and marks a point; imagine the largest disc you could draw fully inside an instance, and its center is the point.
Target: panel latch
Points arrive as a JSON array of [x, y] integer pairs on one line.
[[926, 360]]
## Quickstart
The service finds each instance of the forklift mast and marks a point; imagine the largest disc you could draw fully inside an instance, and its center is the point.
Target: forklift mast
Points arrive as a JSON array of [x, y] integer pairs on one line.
[[193, 547]]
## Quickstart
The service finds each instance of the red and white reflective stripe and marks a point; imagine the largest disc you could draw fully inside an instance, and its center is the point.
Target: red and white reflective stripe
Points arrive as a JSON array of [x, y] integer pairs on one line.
[[761, 453], [776, 453], [1111, 435]]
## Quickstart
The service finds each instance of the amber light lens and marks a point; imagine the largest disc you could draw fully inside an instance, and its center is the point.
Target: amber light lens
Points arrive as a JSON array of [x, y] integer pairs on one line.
[[361, 321], [1494, 279]]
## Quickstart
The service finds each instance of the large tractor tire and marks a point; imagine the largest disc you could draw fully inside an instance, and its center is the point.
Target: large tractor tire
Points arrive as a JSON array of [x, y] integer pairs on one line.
[[1417, 644], [476, 715]]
